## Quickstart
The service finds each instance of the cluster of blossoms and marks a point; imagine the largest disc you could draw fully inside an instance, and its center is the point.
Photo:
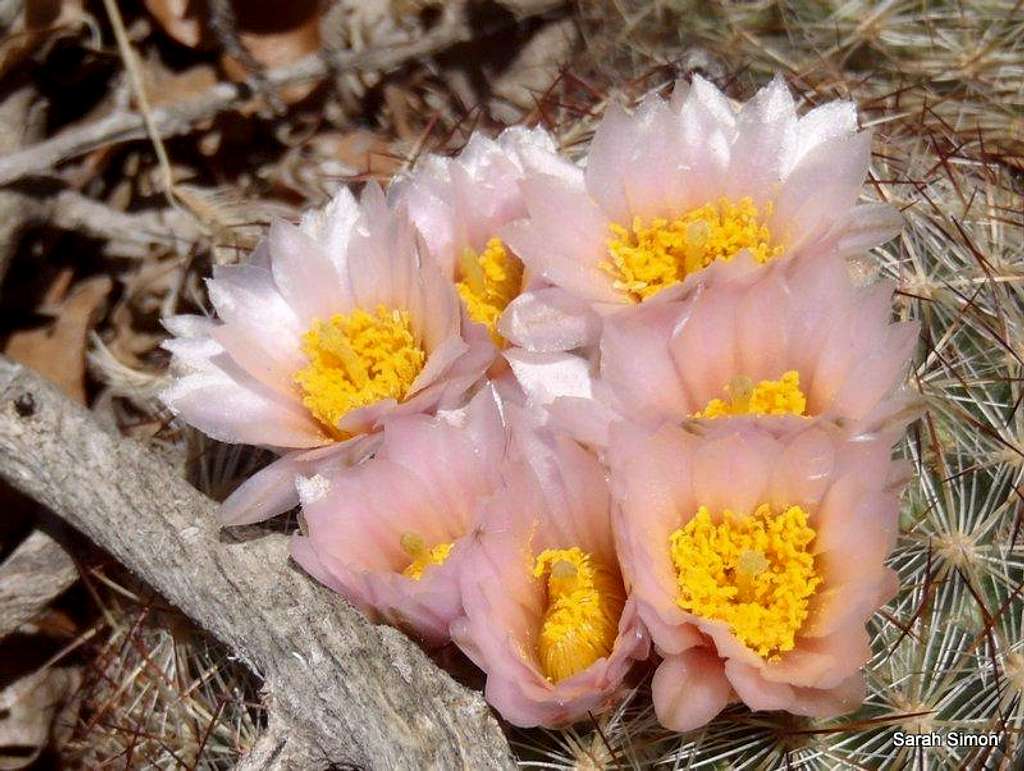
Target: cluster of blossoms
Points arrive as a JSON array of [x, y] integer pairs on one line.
[[570, 418]]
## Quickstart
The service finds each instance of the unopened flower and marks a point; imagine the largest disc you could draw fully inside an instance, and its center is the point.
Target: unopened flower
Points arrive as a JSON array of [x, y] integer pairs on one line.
[[546, 612], [460, 205], [755, 562], [331, 326], [793, 345], [389, 534], [691, 187]]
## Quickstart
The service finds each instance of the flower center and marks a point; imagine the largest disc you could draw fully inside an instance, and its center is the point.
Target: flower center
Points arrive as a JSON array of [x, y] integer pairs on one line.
[[654, 254], [357, 359], [490, 281], [422, 557], [581, 621], [755, 573], [769, 397]]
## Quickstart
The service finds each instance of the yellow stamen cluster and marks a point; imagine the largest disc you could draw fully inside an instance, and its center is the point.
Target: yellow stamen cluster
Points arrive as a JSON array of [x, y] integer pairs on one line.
[[769, 397], [357, 359], [422, 557], [654, 254], [489, 281], [755, 573], [585, 600]]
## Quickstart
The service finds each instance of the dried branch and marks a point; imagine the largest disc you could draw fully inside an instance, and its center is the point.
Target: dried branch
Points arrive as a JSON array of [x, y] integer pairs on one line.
[[363, 694], [169, 228], [36, 572]]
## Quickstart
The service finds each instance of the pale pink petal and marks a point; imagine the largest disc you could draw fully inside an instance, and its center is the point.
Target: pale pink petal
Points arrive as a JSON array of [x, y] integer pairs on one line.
[[229, 411], [822, 124], [191, 354], [844, 698], [439, 362], [703, 347], [564, 239], [636, 364], [586, 420], [653, 184], [864, 227], [651, 478], [823, 662], [825, 183], [762, 334], [862, 534], [766, 130], [708, 125], [690, 689], [756, 692], [576, 270], [304, 275], [609, 160], [724, 461], [332, 227], [457, 457], [267, 493], [855, 601], [273, 365], [803, 471], [879, 373], [246, 295], [549, 319], [271, 490], [547, 376]]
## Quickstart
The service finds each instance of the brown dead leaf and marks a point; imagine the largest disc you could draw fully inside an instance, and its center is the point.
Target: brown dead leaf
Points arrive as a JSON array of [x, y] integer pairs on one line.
[[164, 86], [275, 34], [57, 350]]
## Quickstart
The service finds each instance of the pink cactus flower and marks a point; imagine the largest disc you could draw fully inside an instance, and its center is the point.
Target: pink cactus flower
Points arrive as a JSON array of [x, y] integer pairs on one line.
[[330, 327], [755, 562], [390, 534], [460, 206], [796, 345], [693, 188], [546, 613]]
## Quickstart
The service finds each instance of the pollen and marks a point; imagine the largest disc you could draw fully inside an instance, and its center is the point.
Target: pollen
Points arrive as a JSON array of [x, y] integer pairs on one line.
[[422, 557], [654, 254], [581, 622], [357, 359], [490, 281], [755, 573], [768, 397]]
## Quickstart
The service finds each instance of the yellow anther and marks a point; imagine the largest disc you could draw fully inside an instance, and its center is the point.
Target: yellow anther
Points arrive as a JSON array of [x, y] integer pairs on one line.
[[357, 359], [653, 254], [422, 557], [756, 573], [769, 397], [581, 622], [489, 281]]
